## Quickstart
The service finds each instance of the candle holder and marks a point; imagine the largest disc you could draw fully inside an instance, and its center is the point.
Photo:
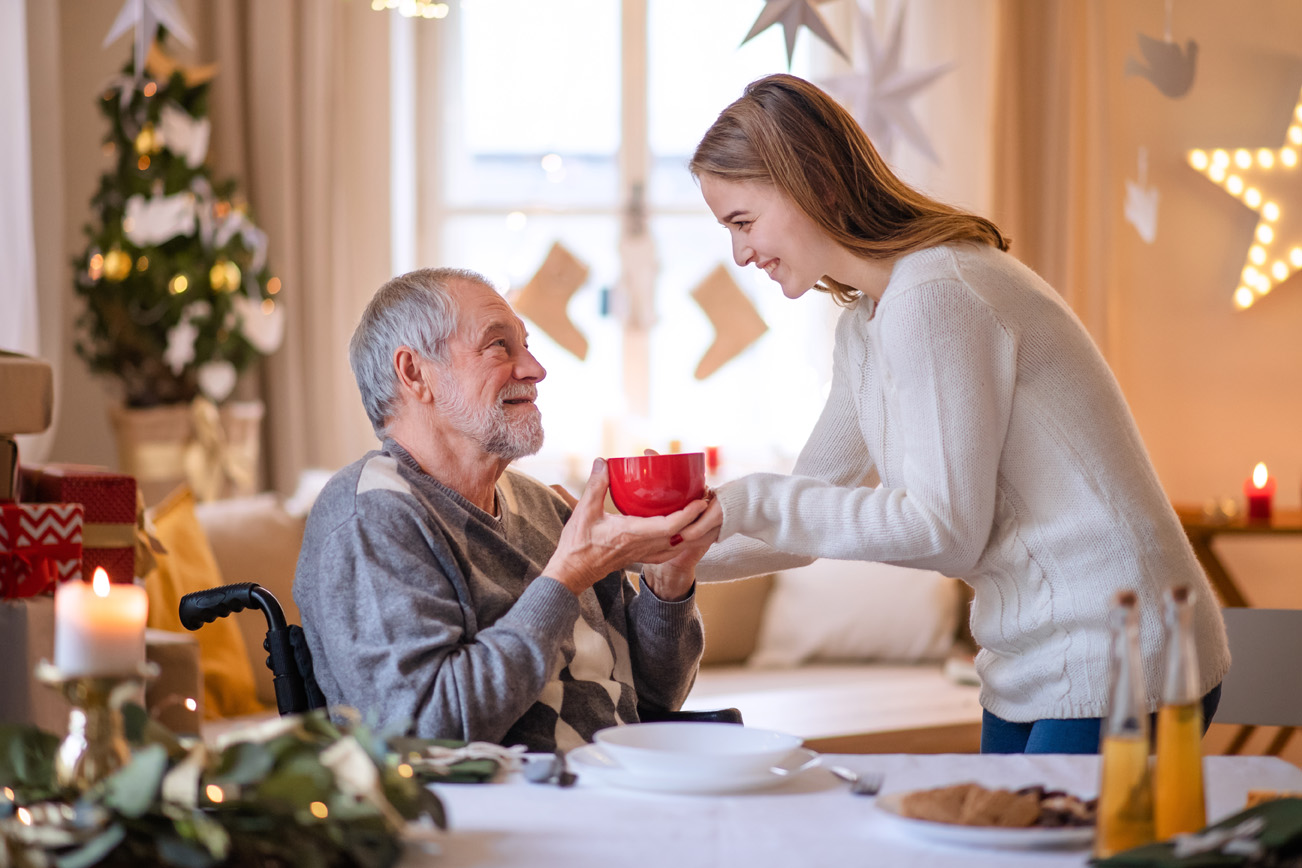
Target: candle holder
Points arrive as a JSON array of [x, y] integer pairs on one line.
[[95, 745]]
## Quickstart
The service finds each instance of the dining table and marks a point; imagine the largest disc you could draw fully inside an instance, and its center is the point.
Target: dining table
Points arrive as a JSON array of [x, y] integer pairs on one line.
[[807, 819]]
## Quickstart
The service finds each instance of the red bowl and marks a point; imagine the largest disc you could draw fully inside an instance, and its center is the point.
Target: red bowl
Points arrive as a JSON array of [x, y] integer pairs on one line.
[[656, 484]]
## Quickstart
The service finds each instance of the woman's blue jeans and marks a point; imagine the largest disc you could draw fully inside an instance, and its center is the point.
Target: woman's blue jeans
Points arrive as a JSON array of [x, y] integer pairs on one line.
[[1061, 736]]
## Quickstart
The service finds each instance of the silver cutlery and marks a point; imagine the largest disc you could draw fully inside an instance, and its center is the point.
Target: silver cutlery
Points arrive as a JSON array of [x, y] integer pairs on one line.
[[861, 783], [548, 769]]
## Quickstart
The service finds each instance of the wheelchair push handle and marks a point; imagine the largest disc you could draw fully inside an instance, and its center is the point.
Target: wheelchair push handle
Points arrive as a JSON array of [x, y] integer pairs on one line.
[[204, 607]]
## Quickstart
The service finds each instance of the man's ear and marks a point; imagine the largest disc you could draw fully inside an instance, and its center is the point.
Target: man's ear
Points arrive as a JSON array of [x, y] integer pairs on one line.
[[415, 375]]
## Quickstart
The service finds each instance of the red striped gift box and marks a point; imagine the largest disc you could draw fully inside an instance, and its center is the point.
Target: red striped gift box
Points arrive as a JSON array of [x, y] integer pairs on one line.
[[40, 545]]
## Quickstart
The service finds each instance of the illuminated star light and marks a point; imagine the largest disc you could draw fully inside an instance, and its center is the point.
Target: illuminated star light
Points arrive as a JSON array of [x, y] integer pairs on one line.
[[879, 96], [1263, 179], [792, 14]]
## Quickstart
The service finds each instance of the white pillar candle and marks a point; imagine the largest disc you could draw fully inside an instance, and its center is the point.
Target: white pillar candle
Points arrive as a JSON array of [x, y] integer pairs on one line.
[[99, 627]]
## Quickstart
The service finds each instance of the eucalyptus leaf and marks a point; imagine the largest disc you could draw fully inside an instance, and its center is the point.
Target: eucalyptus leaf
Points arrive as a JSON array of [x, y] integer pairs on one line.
[[180, 853], [133, 788], [244, 763], [94, 850]]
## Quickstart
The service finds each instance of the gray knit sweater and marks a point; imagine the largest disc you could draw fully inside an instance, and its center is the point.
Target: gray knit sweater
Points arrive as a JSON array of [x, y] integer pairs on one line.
[[419, 607]]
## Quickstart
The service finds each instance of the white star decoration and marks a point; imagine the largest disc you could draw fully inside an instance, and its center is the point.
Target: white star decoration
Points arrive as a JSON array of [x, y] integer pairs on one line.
[[879, 96], [792, 14], [1266, 180], [145, 16]]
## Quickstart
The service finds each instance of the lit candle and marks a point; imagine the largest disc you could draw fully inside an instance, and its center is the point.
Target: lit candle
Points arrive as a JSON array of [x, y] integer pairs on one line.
[[1259, 490], [99, 628]]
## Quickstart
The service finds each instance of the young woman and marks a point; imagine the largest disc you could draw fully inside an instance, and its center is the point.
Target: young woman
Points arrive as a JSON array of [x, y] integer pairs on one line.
[[972, 427]]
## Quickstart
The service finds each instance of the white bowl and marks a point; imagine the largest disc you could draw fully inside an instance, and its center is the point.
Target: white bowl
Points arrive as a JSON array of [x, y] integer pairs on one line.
[[695, 749]]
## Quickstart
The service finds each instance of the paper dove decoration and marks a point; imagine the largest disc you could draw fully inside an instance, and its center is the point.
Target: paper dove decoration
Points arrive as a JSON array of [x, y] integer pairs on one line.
[[546, 296], [184, 136], [1141, 202], [145, 16], [181, 337], [217, 380], [791, 14], [149, 222], [1170, 68], [737, 324], [879, 96], [262, 326]]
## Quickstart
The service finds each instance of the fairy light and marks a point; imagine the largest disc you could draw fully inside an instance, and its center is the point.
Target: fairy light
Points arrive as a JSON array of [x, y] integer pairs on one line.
[[405, 770], [142, 264], [215, 794], [268, 307], [319, 810], [9, 794], [190, 704], [1250, 174], [178, 284], [143, 163], [428, 9], [150, 89], [24, 816], [273, 285]]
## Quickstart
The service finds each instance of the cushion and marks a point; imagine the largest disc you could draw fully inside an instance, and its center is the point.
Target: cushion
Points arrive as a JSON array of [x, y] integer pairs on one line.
[[255, 539], [856, 610], [189, 566], [732, 612]]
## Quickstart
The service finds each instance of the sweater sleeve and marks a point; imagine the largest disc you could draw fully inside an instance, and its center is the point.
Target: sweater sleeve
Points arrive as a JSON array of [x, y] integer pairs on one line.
[[380, 603], [666, 640], [835, 453], [949, 367]]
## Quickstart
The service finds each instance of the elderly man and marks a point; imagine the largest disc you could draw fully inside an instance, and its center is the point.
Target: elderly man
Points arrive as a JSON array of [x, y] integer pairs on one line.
[[441, 588]]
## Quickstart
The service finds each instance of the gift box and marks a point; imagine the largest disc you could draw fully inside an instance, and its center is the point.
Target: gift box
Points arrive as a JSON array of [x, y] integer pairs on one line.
[[109, 503], [26, 394], [40, 545], [26, 638]]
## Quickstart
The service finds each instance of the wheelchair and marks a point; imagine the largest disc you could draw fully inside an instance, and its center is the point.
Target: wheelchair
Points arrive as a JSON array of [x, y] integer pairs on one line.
[[290, 661]]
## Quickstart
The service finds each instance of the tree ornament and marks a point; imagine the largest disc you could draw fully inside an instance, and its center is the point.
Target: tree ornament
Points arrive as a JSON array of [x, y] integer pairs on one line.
[[1141, 202], [146, 16], [146, 141], [117, 265], [1168, 66]]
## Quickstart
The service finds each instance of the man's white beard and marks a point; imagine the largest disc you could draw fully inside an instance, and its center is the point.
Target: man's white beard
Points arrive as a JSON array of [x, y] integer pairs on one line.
[[490, 427]]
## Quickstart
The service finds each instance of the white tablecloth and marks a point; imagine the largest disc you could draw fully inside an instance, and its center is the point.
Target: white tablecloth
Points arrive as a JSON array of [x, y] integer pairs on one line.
[[808, 821]]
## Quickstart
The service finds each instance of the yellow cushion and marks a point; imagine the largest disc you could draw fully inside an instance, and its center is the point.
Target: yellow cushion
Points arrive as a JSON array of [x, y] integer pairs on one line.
[[189, 566]]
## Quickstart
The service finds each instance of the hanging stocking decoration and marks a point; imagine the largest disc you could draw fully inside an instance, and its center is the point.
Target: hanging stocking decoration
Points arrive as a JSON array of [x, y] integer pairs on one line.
[[737, 324], [546, 296]]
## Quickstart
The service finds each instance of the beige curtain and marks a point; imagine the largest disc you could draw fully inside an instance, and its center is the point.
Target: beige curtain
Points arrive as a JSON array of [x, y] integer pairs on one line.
[[1050, 167], [300, 114]]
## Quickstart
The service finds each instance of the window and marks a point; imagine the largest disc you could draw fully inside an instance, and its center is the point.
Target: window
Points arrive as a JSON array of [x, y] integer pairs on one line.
[[572, 121]]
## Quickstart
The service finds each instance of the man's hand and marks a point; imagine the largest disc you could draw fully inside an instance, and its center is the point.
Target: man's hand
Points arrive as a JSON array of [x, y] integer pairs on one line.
[[595, 542]]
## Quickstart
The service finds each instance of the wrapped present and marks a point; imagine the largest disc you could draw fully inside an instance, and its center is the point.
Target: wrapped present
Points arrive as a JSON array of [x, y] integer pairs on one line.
[[8, 468], [109, 501], [26, 394], [40, 545], [26, 638]]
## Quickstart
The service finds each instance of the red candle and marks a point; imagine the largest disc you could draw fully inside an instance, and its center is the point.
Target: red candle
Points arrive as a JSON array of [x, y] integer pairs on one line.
[[712, 459], [1259, 490]]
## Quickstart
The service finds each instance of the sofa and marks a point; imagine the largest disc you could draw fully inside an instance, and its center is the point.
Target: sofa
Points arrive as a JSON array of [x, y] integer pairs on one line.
[[851, 657]]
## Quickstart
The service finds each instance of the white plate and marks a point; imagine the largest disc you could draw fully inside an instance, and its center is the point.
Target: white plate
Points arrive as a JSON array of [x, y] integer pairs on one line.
[[1031, 838], [591, 763]]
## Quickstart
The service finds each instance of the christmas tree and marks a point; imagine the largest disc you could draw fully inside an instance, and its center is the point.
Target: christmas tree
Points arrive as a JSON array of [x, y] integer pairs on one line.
[[179, 296]]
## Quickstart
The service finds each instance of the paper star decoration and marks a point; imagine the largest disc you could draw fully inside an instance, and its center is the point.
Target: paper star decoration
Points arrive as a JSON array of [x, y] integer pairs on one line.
[[145, 16], [1266, 180], [879, 96], [1141, 202], [791, 14]]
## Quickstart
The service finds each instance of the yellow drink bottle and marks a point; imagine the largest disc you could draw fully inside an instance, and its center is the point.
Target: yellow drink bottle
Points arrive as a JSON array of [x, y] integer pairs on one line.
[[1125, 813], [1181, 805]]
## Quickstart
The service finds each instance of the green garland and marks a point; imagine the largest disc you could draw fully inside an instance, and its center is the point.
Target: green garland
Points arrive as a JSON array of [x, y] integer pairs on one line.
[[311, 794]]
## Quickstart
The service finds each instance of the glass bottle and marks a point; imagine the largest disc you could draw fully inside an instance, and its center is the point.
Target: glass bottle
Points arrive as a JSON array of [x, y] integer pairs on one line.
[[1178, 773], [1125, 813]]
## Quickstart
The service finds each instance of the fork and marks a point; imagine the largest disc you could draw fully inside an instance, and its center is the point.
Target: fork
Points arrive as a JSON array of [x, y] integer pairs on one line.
[[861, 783]]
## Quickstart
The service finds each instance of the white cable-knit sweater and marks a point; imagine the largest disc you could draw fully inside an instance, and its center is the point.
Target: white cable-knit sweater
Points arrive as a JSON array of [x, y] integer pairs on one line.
[[1006, 457]]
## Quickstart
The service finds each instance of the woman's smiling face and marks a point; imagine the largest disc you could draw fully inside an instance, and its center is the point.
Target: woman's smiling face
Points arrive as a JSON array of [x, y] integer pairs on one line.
[[771, 232]]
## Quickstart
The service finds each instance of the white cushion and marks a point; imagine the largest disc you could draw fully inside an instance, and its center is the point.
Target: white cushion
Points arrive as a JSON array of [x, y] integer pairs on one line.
[[855, 610]]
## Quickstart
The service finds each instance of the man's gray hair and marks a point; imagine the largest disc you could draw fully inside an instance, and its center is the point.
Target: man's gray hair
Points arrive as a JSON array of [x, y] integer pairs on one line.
[[414, 310]]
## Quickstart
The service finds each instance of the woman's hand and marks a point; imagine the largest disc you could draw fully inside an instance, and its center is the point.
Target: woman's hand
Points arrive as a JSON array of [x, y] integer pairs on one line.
[[595, 542]]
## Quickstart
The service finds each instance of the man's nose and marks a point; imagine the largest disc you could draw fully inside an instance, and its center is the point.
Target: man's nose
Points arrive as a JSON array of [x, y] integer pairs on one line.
[[530, 368]]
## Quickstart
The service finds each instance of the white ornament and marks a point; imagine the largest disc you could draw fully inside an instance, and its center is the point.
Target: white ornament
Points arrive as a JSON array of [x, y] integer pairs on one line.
[[145, 16], [1141, 202], [264, 329], [180, 346], [184, 135], [154, 220], [879, 96], [216, 380]]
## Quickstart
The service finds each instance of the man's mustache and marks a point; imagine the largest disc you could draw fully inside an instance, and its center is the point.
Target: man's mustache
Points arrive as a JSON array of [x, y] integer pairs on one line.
[[514, 392]]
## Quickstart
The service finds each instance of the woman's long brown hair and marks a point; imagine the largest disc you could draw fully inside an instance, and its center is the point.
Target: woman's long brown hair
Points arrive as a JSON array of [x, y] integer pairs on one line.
[[786, 132]]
